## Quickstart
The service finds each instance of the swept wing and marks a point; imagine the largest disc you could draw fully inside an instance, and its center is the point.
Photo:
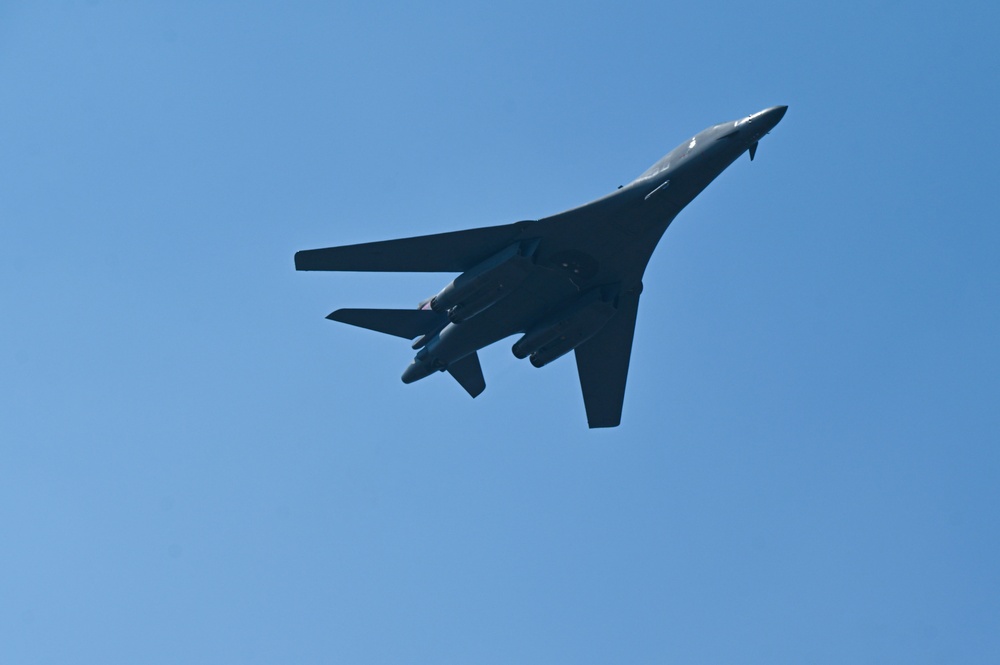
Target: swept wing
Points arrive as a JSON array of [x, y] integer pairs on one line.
[[602, 363], [456, 251]]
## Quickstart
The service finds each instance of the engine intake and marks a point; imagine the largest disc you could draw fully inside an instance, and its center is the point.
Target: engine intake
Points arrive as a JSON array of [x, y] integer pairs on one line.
[[567, 329]]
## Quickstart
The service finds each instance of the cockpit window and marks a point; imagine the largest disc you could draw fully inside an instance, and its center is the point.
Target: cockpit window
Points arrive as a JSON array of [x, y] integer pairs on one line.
[[672, 157]]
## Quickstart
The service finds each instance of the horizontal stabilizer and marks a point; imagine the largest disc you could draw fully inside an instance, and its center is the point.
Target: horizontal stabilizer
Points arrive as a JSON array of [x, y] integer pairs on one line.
[[442, 252], [469, 374], [407, 323]]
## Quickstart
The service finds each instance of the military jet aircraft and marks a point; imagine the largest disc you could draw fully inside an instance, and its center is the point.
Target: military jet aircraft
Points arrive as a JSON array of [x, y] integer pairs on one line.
[[569, 282]]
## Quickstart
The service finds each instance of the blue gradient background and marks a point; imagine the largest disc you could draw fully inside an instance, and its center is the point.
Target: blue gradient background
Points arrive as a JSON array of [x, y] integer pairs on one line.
[[196, 467]]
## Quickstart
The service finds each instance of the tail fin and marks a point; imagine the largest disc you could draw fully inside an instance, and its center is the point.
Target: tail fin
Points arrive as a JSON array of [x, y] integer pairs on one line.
[[410, 323], [407, 323], [469, 374]]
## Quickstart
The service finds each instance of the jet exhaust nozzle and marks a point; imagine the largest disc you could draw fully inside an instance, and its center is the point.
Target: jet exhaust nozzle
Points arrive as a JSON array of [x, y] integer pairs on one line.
[[485, 284], [568, 329]]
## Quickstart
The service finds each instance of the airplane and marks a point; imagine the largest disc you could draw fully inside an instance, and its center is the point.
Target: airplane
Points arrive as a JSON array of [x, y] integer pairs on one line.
[[569, 282]]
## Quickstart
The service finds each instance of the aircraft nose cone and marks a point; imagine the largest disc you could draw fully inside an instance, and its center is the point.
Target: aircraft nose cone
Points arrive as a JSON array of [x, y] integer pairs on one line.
[[771, 117]]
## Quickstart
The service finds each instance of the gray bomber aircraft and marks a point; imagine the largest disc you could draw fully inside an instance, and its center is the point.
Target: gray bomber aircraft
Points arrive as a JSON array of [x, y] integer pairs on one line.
[[569, 282]]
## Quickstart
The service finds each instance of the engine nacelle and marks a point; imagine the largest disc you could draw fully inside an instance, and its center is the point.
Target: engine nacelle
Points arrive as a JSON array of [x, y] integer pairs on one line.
[[487, 283], [567, 329]]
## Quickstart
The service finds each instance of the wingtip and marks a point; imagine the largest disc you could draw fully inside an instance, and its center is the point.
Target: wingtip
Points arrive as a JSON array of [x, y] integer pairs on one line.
[[299, 262], [312, 259]]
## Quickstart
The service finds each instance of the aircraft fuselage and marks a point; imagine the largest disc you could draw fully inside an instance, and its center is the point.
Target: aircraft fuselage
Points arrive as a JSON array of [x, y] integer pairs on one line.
[[569, 282], [612, 238]]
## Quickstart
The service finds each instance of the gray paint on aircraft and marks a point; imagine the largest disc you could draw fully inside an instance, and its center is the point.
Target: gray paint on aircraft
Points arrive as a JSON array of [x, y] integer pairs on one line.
[[569, 282]]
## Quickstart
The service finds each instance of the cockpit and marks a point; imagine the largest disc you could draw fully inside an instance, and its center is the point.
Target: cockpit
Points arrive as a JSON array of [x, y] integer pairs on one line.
[[673, 157]]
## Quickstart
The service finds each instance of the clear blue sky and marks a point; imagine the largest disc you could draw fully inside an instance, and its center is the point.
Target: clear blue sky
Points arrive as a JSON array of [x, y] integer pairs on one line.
[[196, 467]]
